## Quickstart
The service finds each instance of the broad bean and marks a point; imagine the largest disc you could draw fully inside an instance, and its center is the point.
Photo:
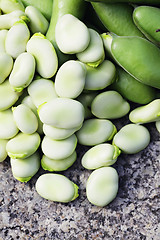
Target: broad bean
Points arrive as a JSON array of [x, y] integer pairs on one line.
[[58, 165], [56, 187], [58, 133], [38, 23], [102, 186], [23, 145], [23, 71], [96, 131], [8, 128], [59, 149], [42, 91], [110, 105], [147, 113], [70, 79], [6, 65], [7, 95], [25, 119], [74, 32], [100, 77], [132, 138], [94, 54], [101, 155], [62, 113], [17, 38], [24, 169], [45, 55]]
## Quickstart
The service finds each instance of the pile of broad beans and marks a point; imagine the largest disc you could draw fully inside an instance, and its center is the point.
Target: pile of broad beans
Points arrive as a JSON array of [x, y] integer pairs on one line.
[[67, 69]]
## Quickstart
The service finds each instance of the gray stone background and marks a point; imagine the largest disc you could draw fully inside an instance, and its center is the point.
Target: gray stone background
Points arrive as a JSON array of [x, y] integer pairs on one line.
[[133, 215]]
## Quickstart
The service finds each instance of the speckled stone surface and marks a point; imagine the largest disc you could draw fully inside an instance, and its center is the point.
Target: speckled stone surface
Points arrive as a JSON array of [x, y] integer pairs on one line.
[[133, 215]]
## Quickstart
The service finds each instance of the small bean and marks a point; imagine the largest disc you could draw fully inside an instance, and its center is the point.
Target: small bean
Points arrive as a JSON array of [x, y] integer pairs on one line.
[[56, 187], [102, 186], [58, 165], [132, 138], [72, 35], [59, 149]]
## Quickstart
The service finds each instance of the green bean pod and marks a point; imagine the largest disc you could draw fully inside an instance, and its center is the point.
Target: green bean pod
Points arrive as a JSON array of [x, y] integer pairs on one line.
[[151, 28], [139, 57], [132, 89], [117, 18]]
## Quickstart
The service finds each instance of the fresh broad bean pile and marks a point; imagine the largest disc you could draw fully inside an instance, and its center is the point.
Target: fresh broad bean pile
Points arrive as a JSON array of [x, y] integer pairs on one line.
[[67, 69]]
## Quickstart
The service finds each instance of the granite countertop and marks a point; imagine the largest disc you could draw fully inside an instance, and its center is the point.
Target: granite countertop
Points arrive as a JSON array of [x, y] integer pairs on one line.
[[133, 215]]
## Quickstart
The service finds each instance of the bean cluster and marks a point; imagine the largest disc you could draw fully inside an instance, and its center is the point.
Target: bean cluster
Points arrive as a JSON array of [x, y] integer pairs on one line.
[[63, 82]]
